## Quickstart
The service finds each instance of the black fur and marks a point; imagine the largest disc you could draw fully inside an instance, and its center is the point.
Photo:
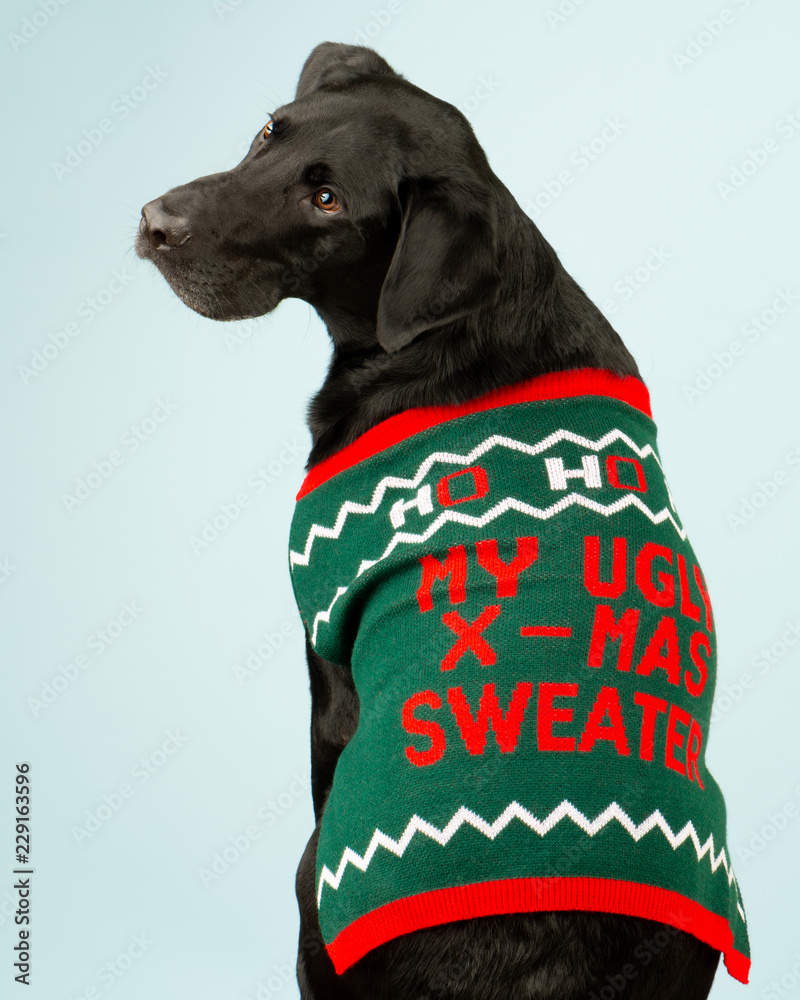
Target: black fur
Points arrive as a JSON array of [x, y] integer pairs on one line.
[[435, 287]]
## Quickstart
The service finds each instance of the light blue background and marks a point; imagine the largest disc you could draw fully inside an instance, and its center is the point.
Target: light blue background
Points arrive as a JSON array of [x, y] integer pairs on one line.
[[535, 89]]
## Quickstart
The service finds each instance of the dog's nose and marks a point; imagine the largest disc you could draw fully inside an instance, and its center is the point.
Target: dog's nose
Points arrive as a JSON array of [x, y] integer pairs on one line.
[[162, 228]]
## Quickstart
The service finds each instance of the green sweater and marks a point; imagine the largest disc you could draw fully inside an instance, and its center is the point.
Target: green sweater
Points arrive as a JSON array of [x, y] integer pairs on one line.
[[533, 647]]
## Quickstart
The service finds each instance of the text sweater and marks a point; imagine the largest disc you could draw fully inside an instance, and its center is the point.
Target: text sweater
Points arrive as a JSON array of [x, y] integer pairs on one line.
[[533, 647]]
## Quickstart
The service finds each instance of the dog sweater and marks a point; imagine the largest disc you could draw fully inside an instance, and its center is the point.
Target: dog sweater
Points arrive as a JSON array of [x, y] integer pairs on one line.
[[533, 647]]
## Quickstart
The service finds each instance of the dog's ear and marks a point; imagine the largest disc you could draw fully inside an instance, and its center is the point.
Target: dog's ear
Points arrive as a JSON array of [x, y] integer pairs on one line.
[[334, 63], [445, 261]]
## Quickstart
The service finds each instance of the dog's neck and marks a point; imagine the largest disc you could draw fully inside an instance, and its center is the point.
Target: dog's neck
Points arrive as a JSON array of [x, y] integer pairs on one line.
[[539, 320]]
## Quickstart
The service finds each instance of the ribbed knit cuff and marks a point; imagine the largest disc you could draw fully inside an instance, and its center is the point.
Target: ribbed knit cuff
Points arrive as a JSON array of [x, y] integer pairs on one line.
[[531, 895], [554, 385]]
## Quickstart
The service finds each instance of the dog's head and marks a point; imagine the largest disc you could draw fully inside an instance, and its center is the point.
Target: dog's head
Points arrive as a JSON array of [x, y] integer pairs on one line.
[[365, 196]]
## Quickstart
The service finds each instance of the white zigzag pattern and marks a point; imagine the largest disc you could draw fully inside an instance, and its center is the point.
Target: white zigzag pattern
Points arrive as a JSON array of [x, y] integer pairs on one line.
[[349, 507], [509, 503], [514, 809]]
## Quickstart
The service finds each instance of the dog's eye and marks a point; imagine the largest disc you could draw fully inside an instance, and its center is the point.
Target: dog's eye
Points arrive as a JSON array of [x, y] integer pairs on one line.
[[326, 200], [268, 128]]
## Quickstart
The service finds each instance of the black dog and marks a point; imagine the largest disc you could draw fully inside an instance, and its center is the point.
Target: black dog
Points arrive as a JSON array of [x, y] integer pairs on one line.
[[372, 200]]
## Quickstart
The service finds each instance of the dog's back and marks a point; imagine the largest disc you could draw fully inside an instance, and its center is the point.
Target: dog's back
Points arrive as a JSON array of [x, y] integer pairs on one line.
[[377, 205]]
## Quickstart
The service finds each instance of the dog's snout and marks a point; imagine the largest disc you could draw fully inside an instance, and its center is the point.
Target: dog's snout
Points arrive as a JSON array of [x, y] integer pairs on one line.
[[163, 229]]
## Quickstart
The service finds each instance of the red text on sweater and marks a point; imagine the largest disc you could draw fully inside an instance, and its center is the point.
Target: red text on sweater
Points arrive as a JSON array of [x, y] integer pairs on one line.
[[646, 720]]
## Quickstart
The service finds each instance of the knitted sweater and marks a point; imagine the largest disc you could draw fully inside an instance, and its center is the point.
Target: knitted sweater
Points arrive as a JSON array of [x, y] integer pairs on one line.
[[533, 647]]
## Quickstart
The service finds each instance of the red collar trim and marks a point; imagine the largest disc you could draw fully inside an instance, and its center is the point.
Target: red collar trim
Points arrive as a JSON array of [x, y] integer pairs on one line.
[[554, 385]]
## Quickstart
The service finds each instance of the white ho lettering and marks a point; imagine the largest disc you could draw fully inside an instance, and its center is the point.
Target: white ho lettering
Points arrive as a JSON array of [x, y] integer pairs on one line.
[[558, 475]]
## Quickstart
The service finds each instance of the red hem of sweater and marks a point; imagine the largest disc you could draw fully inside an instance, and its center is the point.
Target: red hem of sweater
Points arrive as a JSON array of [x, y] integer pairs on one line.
[[553, 385], [531, 895]]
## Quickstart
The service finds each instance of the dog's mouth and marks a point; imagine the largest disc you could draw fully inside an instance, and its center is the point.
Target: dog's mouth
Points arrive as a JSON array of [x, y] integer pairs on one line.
[[201, 297], [218, 288]]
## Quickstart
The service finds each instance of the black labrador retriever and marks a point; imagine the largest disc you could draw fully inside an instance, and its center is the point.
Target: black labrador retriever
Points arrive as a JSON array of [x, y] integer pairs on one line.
[[372, 200]]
